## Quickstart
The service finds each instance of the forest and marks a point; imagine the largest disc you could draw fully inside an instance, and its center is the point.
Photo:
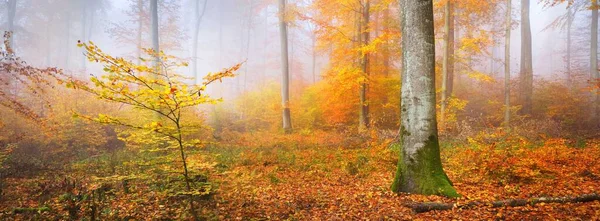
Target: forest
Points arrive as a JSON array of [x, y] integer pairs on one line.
[[299, 110]]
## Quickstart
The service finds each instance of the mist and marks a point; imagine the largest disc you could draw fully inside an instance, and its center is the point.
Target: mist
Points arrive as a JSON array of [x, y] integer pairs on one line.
[[299, 110]]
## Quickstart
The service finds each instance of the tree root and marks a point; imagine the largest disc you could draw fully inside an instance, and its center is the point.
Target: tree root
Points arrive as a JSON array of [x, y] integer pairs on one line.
[[430, 206]]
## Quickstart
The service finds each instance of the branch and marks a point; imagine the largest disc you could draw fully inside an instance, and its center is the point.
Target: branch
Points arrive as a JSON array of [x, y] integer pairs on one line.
[[431, 206]]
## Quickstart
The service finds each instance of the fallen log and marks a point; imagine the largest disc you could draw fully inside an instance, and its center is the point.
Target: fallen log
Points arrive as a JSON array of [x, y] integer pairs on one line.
[[430, 206]]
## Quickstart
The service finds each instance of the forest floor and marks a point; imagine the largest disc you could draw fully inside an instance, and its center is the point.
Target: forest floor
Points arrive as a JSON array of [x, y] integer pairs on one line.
[[326, 176]]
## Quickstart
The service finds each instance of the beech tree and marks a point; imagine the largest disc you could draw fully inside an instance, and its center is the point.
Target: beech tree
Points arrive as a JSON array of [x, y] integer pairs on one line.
[[448, 62], [199, 10], [285, 78], [526, 74], [11, 12], [363, 36], [419, 167], [507, 65]]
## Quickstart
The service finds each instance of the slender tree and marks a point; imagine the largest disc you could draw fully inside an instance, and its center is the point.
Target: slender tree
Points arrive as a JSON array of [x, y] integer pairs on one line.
[[285, 78], [84, 14], [155, 40], [364, 41], [507, 64], [200, 9], [568, 57], [67, 41], [526, 74], [419, 167], [594, 55], [11, 12], [140, 8], [386, 48], [448, 62], [248, 35]]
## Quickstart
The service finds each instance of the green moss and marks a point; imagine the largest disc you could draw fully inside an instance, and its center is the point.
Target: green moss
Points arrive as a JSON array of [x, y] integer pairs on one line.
[[425, 176], [31, 210]]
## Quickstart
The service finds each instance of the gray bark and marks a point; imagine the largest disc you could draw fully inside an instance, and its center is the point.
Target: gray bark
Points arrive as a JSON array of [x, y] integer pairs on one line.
[[12, 12], [314, 57], [285, 78], [364, 30], [569, 23], [67, 39], [155, 40], [249, 28], [448, 62], [419, 167], [84, 15], [594, 56], [139, 31], [507, 65], [526, 75], [199, 12], [386, 48], [431, 206]]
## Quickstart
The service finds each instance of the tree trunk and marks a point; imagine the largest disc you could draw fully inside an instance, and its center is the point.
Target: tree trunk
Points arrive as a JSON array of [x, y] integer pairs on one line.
[[364, 104], [155, 40], [139, 31], [526, 75], [265, 45], [249, 28], [594, 56], [285, 78], [186, 175], [67, 39], [448, 62], [83, 32], [199, 14], [507, 65], [314, 57], [430, 206], [91, 24], [419, 167], [386, 48], [12, 12], [48, 44], [569, 23]]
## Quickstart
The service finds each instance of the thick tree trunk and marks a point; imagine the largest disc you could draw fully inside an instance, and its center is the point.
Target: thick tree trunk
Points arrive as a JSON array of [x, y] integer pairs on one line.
[[426, 207], [285, 78], [199, 12], [526, 75], [364, 104], [448, 62], [419, 167], [507, 65], [594, 57]]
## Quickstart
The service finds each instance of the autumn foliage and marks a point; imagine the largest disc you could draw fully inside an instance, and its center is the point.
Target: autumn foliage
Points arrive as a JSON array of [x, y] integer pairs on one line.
[[137, 139]]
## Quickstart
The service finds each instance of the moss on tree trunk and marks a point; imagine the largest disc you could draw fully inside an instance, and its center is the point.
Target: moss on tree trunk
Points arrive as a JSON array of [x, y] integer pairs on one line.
[[420, 167], [423, 173]]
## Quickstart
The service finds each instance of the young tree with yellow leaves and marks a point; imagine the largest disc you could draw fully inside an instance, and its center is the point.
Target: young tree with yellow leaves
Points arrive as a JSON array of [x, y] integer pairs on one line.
[[155, 90]]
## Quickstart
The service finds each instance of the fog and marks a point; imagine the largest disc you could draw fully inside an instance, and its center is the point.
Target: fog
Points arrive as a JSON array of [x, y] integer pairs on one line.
[[299, 110], [234, 31]]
